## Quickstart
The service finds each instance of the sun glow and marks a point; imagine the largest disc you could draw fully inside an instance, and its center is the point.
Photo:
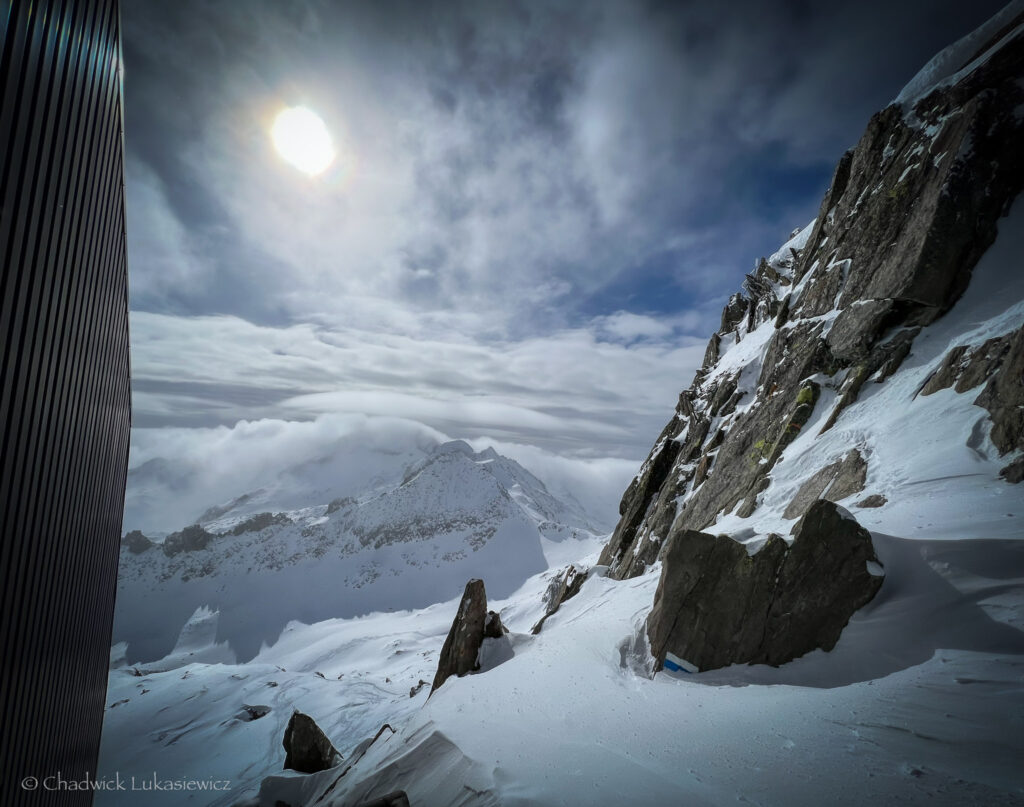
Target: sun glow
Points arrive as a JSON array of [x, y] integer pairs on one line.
[[301, 137]]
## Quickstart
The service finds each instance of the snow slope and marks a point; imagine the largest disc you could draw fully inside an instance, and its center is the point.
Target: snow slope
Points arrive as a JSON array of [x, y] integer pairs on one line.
[[930, 456], [918, 704]]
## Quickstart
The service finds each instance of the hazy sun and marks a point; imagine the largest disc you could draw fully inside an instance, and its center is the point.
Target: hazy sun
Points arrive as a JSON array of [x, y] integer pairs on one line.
[[302, 139]]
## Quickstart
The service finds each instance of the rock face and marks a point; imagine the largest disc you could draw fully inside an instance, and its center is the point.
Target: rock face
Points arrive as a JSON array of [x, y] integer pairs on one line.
[[306, 747], [189, 539], [136, 542], [909, 212], [833, 482], [461, 650], [564, 587], [999, 364], [716, 605]]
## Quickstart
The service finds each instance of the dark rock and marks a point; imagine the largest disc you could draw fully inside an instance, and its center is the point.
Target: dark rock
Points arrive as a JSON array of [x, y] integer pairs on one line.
[[723, 392], [340, 504], [564, 587], [258, 522], [848, 393], [806, 399], [396, 799], [136, 542], [749, 505], [1000, 362], [783, 315], [249, 713], [947, 373], [897, 352], [702, 469], [882, 362], [306, 747], [1003, 397], [833, 482], [461, 649], [756, 438], [189, 539], [711, 353], [733, 313], [413, 690], [856, 329], [493, 629], [716, 605], [1014, 472], [874, 500], [644, 487], [984, 362]]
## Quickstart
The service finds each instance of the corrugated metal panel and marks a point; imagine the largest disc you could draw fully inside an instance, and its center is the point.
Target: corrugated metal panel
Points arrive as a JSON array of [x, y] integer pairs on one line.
[[64, 383]]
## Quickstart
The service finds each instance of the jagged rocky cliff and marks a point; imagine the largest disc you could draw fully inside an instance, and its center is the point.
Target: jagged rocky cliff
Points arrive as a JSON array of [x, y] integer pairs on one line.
[[835, 313]]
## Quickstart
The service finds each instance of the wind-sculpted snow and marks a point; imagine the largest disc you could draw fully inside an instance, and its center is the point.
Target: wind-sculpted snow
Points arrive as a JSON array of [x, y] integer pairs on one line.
[[917, 704], [448, 517]]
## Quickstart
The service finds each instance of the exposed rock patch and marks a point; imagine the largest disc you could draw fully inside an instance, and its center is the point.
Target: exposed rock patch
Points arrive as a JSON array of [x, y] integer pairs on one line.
[[716, 605], [833, 482], [1003, 396], [874, 500], [306, 747], [258, 522], [136, 542], [564, 587], [189, 539]]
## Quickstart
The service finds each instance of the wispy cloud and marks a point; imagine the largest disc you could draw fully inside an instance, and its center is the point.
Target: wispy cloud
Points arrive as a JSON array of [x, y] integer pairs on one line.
[[536, 214], [596, 391]]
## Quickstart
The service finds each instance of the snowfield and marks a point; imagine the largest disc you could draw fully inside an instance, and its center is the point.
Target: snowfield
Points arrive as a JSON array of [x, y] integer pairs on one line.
[[920, 702]]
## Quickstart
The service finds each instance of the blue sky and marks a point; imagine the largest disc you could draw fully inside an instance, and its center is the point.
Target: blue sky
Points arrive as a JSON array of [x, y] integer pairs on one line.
[[536, 215]]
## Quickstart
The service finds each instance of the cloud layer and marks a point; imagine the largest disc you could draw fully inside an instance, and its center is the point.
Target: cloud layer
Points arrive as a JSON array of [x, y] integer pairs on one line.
[[536, 214]]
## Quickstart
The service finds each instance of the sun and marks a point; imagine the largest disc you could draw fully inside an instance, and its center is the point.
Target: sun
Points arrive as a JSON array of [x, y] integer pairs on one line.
[[301, 137]]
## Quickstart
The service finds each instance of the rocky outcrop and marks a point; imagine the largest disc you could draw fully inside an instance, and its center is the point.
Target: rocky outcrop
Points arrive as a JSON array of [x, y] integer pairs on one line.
[[136, 543], [461, 650], [717, 605], [189, 539], [493, 629], [258, 522], [909, 212], [1003, 397], [833, 482], [564, 587], [999, 364], [306, 747]]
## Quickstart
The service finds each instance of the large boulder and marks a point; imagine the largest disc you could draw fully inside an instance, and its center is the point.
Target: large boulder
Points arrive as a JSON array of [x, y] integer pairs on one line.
[[717, 605], [461, 650], [306, 747]]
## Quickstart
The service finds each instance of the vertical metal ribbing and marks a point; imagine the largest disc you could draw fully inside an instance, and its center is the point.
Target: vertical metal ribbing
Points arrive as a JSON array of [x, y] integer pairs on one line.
[[64, 381]]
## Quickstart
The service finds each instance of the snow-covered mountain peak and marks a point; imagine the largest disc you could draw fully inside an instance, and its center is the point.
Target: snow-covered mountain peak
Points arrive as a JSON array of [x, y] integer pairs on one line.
[[315, 543]]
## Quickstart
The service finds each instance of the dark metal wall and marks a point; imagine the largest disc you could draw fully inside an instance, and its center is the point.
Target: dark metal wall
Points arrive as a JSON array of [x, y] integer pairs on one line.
[[64, 385]]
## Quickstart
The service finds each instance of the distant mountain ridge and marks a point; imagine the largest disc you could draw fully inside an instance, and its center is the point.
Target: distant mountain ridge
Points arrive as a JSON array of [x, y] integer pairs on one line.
[[409, 542]]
